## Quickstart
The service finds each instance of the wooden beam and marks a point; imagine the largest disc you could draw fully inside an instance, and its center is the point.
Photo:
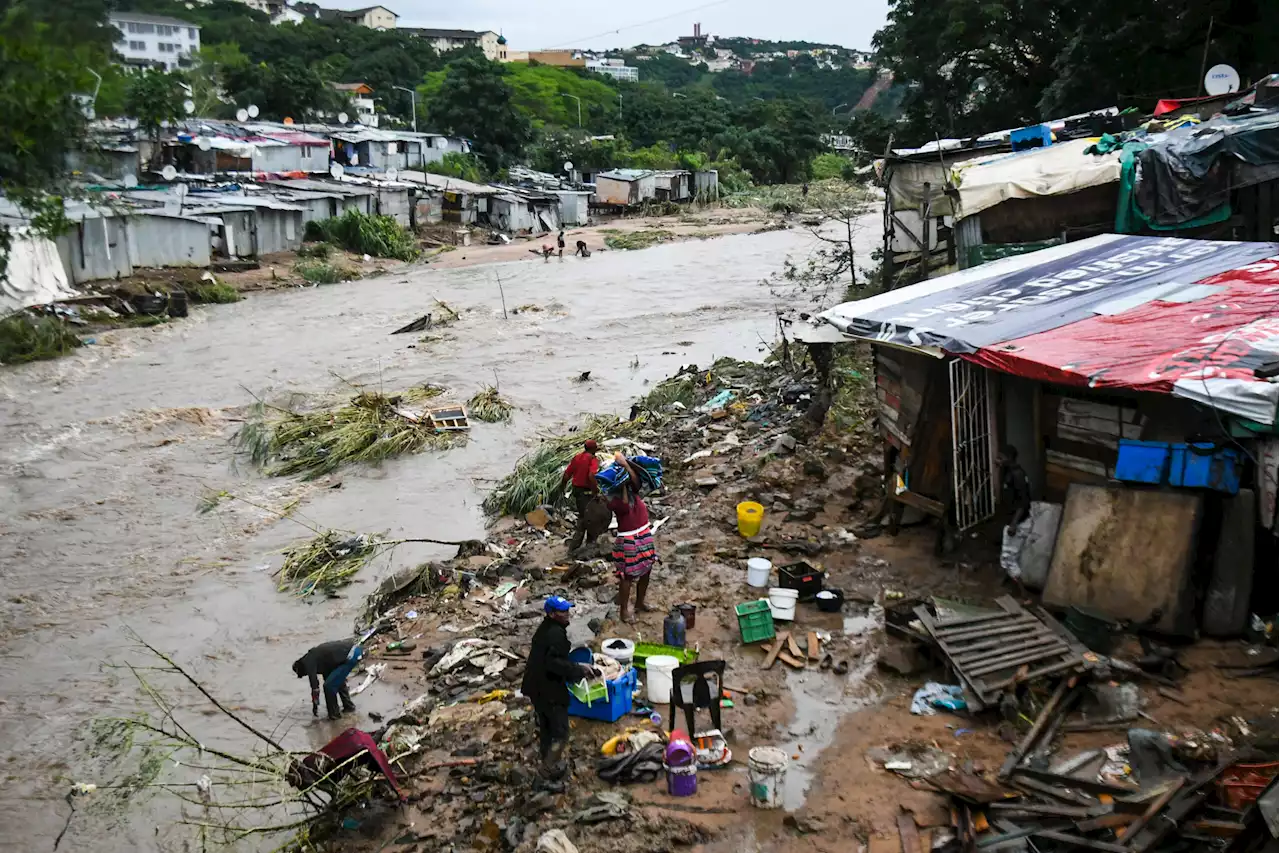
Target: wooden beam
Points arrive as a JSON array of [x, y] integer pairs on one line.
[[774, 650]]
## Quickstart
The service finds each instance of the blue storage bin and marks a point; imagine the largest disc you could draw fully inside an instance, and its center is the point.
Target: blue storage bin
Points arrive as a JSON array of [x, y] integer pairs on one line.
[[1199, 466], [1035, 136], [1142, 461], [608, 708]]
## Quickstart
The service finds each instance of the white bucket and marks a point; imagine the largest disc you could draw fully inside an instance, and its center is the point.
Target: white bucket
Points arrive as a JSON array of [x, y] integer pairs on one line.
[[782, 603], [620, 649], [659, 669], [766, 770], [758, 571]]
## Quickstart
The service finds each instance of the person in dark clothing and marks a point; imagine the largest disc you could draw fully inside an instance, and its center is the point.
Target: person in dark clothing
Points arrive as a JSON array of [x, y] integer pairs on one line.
[[582, 249], [560, 243], [1016, 490], [329, 663], [547, 675], [581, 474]]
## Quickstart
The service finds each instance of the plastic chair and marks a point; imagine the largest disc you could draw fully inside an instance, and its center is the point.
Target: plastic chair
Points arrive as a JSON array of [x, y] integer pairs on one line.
[[703, 697]]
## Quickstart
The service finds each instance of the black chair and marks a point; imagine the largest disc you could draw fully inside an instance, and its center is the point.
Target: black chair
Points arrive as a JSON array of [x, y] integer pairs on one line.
[[703, 696]]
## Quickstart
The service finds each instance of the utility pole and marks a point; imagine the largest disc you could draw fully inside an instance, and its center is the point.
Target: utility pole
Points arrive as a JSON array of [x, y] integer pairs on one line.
[[579, 100], [619, 106], [413, 99], [837, 107]]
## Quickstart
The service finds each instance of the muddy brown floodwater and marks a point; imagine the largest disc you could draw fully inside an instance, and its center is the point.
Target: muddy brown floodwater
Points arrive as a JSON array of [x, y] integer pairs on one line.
[[106, 454]]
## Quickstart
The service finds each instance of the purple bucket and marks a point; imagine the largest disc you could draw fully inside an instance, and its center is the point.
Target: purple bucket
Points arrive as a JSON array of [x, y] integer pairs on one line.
[[682, 781], [679, 753]]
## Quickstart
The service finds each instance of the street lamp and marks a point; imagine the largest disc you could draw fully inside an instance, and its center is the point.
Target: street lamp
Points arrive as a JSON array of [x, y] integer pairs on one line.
[[413, 99], [837, 107], [619, 106], [678, 95], [579, 100]]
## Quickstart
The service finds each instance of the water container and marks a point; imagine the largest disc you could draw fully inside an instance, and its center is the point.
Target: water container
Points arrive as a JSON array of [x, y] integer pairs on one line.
[[682, 781], [750, 516], [659, 669], [620, 649], [782, 603], [766, 770], [679, 751], [758, 571], [689, 612], [673, 629]]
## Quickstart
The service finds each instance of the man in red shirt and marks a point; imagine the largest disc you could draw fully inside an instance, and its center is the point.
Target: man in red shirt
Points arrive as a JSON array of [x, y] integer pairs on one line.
[[581, 473]]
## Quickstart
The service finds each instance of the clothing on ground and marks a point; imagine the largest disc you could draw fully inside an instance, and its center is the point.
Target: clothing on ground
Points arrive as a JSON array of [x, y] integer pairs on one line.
[[358, 747], [633, 552], [549, 670], [582, 469], [1011, 549]]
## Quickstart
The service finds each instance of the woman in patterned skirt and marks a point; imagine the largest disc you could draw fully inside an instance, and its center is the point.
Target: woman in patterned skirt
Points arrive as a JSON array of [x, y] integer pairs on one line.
[[633, 550]]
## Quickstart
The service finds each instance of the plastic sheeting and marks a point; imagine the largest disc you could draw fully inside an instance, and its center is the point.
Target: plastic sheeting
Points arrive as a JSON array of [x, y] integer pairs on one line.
[[1053, 171], [1192, 318], [35, 274]]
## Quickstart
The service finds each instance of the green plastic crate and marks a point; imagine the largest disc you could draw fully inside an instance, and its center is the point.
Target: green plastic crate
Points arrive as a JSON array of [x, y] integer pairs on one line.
[[644, 651], [594, 691], [755, 621]]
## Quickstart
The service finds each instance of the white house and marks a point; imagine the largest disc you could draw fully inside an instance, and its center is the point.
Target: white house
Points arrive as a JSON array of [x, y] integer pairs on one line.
[[491, 44], [155, 41], [615, 68]]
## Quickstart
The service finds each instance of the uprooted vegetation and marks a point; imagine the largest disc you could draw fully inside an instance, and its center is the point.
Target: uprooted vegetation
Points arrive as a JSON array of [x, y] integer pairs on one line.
[[211, 293], [641, 239], [489, 406], [369, 428], [365, 234], [24, 338], [324, 272], [326, 563]]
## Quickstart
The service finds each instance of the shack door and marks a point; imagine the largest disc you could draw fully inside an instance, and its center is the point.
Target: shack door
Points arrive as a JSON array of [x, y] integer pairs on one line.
[[973, 469]]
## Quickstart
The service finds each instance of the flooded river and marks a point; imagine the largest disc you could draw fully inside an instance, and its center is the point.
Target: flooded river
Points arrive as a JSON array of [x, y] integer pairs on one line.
[[106, 454]]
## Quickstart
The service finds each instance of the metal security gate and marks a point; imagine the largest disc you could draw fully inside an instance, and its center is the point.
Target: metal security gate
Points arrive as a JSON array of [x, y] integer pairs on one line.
[[973, 474]]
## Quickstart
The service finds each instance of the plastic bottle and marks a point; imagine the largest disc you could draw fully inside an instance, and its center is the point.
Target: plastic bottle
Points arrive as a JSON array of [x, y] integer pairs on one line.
[[673, 629]]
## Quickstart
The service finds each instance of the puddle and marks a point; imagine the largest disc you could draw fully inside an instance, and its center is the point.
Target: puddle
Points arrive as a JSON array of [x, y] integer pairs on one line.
[[823, 699]]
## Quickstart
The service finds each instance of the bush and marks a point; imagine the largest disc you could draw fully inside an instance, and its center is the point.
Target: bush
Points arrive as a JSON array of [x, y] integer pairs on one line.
[[319, 251], [24, 339], [364, 234], [829, 165], [457, 165], [211, 293], [323, 272]]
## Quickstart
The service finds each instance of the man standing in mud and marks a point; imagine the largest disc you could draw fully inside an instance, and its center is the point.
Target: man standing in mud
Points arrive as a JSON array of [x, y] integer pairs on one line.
[[546, 682], [331, 662], [580, 473]]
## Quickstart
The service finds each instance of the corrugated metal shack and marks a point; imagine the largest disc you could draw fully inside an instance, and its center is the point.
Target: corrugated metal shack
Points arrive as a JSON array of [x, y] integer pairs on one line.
[[624, 187], [338, 197], [524, 211]]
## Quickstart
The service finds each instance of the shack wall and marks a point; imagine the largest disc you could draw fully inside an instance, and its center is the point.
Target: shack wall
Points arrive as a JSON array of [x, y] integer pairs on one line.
[[573, 208], [276, 230], [315, 158], [277, 158], [394, 202], [618, 192], [167, 241], [96, 248]]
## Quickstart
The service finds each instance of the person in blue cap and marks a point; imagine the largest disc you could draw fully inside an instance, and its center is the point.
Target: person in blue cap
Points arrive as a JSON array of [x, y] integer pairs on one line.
[[547, 676]]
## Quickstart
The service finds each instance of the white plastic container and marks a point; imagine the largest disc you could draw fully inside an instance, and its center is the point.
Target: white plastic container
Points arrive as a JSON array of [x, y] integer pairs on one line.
[[782, 603], [766, 771], [620, 649], [658, 671], [758, 572]]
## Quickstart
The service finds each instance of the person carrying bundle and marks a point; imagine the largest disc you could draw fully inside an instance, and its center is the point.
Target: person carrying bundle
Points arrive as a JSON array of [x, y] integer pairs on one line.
[[634, 552]]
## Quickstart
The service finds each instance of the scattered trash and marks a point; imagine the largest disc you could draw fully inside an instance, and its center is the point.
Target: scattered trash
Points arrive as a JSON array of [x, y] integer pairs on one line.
[[933, 696]]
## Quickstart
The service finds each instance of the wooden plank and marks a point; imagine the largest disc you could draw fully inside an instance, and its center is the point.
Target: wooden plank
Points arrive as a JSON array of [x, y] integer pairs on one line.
[[1013, 626], [1002, 642], [793, 646], [1089, 786], [907, 834], [813, 646], [970, 658], [1077, 841], [1029, 739], [1013, 660], [774, 650], [1031, 786], [790, 661], [920, 502], [1045, 809], [1106, 821], [1157, 805], [1031, 675]]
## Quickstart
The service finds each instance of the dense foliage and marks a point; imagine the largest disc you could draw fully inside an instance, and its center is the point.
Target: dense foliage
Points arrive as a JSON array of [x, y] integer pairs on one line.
[[368, 234], [975, 65]]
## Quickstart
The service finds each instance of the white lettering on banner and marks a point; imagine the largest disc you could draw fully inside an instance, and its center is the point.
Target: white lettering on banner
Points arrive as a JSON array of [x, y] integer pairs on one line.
[[1132, 263]]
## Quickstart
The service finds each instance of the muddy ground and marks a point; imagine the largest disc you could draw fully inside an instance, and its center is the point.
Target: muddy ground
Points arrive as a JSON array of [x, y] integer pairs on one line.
[[836, 798]]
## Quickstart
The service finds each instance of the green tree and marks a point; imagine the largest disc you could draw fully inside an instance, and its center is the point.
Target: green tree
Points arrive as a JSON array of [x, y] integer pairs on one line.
[[870, 132], [209, 76], [476, 101], [284, 89], [39, 74], [154, 98]]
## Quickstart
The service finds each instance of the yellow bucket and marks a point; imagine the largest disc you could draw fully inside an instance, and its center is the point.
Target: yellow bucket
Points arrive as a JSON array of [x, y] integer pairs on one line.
[[750, 515]]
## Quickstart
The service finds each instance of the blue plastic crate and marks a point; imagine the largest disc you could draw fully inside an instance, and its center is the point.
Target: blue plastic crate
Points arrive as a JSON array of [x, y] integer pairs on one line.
[[1142, 461], [1034, 136], [608, 708], [1200, 466]]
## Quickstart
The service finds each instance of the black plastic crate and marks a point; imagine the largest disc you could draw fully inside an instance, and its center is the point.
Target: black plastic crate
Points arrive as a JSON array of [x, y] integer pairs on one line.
[[801, 577]]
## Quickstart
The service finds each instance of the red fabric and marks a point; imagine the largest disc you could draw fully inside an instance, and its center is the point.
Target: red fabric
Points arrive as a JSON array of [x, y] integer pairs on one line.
[[582, 470], [631, 516], [1225, 335], [1169, 105], [351, 743]]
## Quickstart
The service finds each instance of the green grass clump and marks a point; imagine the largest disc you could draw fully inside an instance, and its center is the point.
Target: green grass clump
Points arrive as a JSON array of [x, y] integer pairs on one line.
[[365, 234], [323, 272], [367, 429], [642, 239], [489, 406], [212, 293], [24, 338], [316, 251], [325, 563]]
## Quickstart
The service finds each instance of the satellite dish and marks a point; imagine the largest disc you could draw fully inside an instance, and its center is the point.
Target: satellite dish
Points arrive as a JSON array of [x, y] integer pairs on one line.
[[129, 179], [180, 190], [169, 173], [441, 142], [189, 106], [1221, 79], [252, 111], [288, 120], [203, 143], [568, 165], [393, 173], [336, 170], [342, 118], [242, 115], [359, 119]]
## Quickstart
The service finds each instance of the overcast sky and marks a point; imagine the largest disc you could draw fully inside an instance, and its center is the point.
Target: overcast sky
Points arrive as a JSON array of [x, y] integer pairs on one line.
[[595, 24]]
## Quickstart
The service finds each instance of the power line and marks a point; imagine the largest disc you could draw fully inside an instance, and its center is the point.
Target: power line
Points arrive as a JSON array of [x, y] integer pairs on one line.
[[640, 24]]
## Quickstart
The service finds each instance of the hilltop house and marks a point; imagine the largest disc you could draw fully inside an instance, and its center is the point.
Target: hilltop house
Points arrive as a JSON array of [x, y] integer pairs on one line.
[[491, 44], [373, 17], [361, 95], [155, 41]]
